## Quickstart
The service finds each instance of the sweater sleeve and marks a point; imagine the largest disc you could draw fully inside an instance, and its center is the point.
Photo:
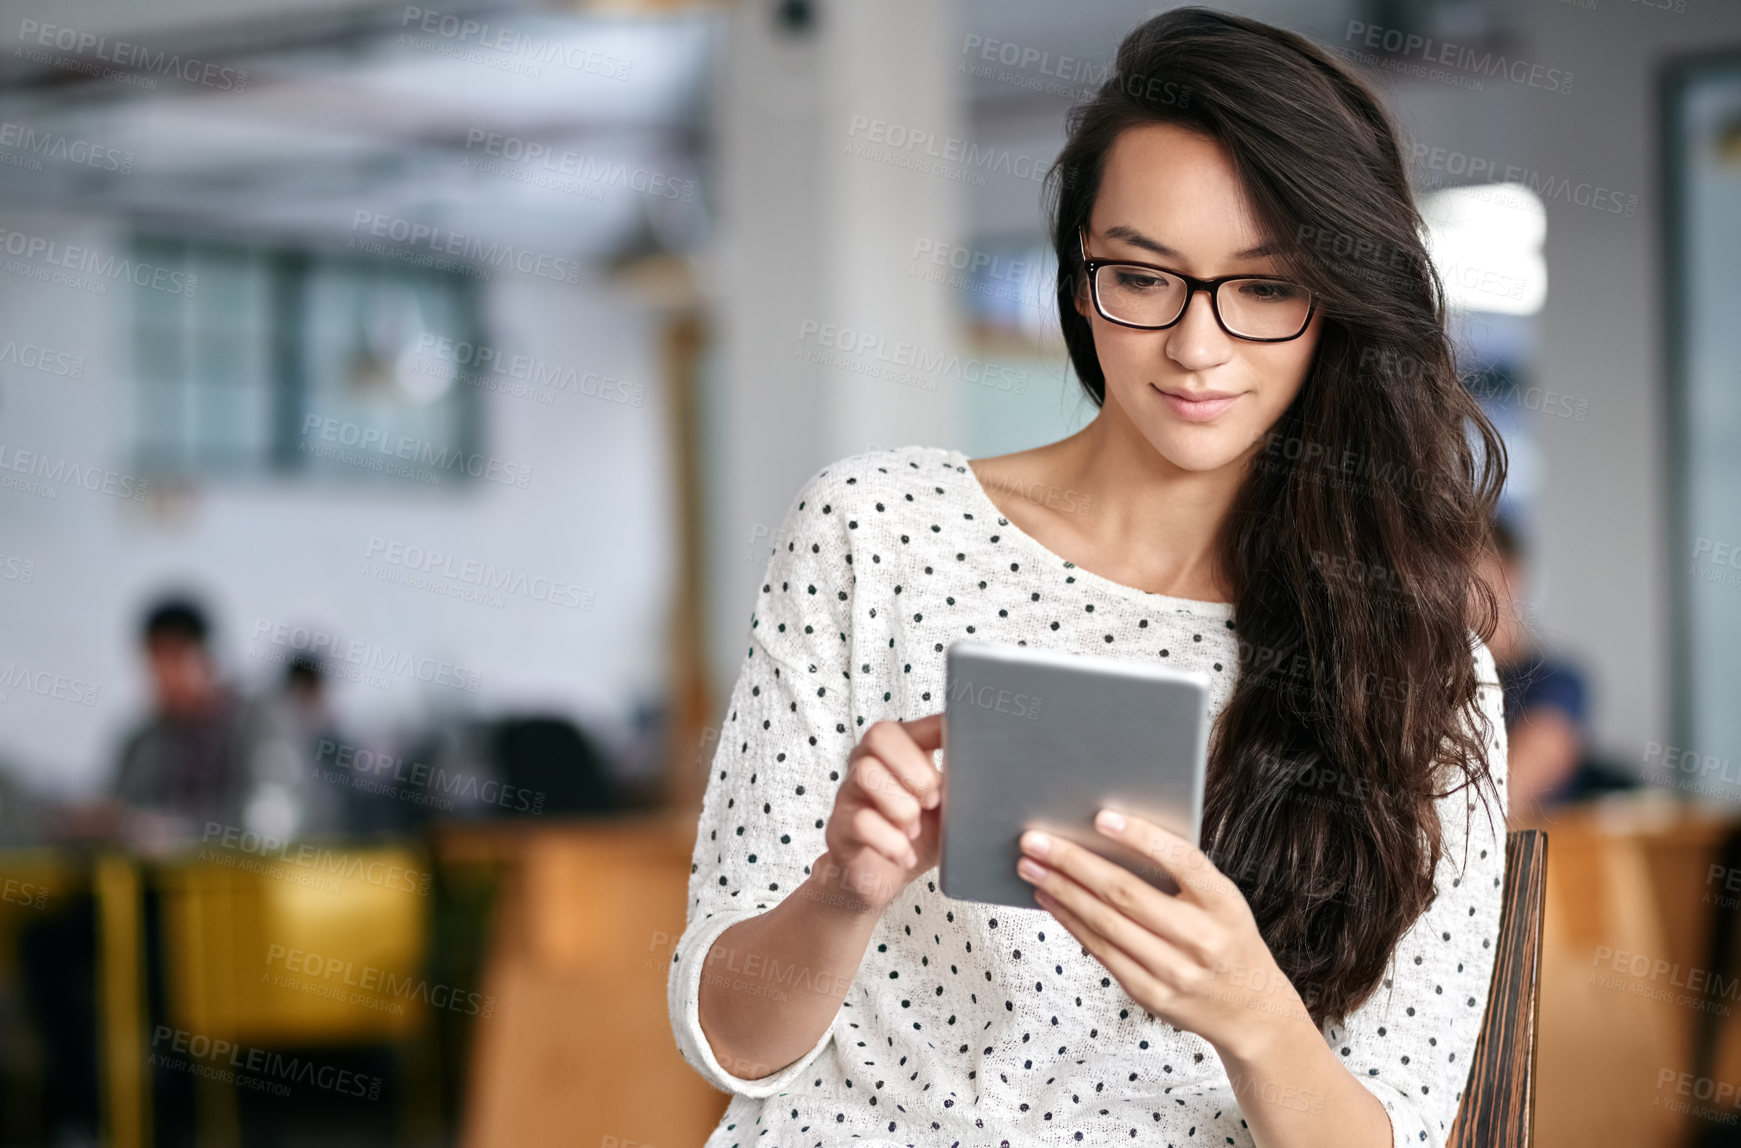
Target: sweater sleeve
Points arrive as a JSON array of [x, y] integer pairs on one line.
[[783, 744], [1413, 1042]]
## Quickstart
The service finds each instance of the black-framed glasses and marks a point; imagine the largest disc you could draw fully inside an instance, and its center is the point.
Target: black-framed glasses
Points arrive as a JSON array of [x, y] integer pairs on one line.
[[1151, 298]]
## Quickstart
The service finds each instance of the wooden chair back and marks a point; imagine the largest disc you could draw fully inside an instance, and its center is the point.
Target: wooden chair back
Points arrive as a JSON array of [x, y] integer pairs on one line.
[[1498, 1108]]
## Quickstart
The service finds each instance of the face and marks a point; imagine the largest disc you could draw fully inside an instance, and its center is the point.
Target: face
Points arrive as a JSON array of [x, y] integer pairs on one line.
[[181, 674], [1504, 578], [1202, 398]]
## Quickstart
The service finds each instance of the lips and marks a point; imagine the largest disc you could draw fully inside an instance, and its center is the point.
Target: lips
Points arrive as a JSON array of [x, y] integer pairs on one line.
[[1198, 406]]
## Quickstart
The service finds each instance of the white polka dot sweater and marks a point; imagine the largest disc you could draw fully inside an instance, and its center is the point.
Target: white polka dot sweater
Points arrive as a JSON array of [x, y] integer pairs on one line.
[[971, 1024]]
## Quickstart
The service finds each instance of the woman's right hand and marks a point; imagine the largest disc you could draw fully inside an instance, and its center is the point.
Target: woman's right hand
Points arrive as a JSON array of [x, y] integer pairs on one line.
[[886, 827]]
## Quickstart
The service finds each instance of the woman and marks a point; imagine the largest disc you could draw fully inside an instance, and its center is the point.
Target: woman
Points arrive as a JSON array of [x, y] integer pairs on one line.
[[1284, 497]]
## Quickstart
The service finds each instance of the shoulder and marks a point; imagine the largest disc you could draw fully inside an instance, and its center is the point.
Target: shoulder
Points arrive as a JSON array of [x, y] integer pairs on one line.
[[1545, 681], [848, 479], [852, 506], [1486, 669], [877, 485], [809, 582], [1489, 682], [1490, 702]]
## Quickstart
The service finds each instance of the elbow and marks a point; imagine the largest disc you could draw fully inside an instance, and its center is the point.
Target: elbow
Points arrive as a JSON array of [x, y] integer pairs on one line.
[[719, 1065]]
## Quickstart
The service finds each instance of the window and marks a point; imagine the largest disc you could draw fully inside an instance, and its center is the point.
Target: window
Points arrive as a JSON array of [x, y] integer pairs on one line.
[[279, 361]]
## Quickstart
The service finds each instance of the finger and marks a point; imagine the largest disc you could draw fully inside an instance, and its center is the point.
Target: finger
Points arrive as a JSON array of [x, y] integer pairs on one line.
[[870, 829], [906, 759], [873, 779], [1196, 874], [1152, 951], [926, 732], [1138, 983], [1158, 912], [929, 734]]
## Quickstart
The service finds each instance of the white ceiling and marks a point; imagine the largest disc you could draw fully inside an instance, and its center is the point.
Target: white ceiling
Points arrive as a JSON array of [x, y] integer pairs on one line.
[[341, 113]]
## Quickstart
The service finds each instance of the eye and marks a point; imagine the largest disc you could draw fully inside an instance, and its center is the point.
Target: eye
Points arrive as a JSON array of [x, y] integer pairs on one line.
[[1269, 291], [1140, 279]]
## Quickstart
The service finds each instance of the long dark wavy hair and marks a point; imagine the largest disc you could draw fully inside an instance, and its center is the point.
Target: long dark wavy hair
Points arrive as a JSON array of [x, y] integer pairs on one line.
[[1353, 542]]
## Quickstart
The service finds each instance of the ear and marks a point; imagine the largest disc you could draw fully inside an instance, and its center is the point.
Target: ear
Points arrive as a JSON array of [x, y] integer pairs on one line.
[[1084, 305]]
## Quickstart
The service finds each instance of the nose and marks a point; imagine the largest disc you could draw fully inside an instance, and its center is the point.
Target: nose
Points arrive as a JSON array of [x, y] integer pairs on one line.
[[1197, 342]]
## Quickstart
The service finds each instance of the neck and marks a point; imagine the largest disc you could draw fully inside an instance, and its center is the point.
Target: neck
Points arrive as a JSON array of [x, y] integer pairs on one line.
[[1150, 514]]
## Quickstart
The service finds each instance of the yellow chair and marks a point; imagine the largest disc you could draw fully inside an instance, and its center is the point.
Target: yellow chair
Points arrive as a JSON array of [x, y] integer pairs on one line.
[[325, 951], [315, 945]]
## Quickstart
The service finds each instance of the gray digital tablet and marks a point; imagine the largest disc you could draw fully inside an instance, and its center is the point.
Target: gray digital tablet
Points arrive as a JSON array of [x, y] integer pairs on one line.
[[1045, 740]]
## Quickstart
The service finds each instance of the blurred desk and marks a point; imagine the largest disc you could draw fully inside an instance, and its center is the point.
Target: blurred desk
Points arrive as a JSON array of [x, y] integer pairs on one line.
[[1629, 882], [579, 1048]]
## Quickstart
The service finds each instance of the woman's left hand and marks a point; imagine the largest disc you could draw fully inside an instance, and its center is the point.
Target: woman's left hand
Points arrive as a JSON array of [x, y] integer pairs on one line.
[[1194, 958]]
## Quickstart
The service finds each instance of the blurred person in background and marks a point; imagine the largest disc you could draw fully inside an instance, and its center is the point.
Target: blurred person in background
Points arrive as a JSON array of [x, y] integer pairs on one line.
[[1546, 716], [328, 805], [206, 755]]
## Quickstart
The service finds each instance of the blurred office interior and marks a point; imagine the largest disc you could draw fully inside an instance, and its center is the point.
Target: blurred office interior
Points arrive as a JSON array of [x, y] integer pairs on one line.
[[451, 368]]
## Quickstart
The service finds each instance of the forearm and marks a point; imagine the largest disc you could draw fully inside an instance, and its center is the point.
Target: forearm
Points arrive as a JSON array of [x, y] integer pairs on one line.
[[772, 985], [1294, 1092]]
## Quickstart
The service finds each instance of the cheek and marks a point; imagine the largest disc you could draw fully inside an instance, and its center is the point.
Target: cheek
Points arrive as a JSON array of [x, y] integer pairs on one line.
[[1283, 367], [1123, 352], [1284, 373]]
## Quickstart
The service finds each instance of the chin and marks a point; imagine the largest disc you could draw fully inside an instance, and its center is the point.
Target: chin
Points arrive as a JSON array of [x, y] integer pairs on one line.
[[1198, 449]]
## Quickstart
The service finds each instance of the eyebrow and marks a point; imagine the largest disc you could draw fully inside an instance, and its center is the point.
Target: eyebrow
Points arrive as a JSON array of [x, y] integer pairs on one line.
[[1137, 239]]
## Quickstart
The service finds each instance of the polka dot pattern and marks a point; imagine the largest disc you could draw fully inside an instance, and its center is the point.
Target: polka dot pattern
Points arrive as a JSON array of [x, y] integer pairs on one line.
[[972, 1024]]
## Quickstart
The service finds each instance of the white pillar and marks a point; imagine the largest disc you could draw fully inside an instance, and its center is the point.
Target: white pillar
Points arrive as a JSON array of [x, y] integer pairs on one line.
[[814, 236]]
